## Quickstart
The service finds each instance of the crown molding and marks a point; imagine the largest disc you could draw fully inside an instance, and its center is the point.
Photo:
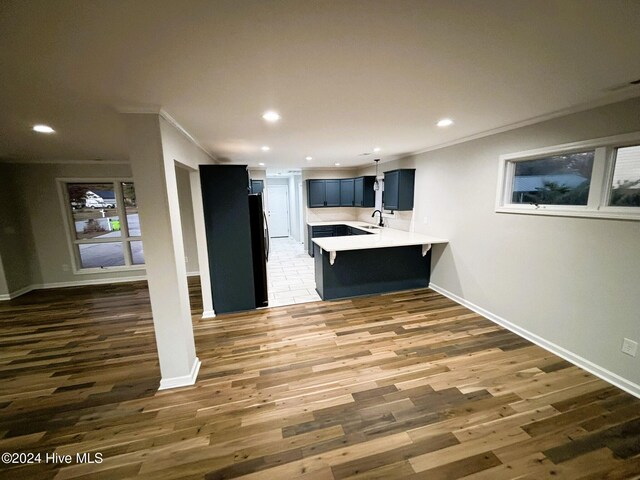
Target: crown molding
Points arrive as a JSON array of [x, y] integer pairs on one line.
[[43, 161], [164, 114], [172, 121], [606, 100]]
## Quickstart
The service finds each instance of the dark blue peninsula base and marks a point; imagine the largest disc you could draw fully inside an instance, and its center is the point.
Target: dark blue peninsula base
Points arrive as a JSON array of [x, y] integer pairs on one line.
[[375, 270]]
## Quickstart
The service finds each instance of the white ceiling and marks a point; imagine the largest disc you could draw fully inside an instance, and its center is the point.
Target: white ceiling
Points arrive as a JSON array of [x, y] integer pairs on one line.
[[346, 76]]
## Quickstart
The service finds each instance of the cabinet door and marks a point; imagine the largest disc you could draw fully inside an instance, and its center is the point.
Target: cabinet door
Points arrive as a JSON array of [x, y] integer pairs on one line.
[[346, 193], [358, 192], [332, 193], [340, 231], [364, 194], [391, 190], [316, 193]]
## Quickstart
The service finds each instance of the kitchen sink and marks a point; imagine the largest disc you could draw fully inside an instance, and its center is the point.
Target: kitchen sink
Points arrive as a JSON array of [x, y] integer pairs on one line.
[[369, 227]]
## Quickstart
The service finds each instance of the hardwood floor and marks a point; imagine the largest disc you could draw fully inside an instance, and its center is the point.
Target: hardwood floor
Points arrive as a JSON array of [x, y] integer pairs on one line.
[[407, 385]]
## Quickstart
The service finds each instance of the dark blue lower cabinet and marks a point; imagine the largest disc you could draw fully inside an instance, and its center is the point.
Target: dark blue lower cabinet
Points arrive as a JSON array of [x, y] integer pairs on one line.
[[366, 272]]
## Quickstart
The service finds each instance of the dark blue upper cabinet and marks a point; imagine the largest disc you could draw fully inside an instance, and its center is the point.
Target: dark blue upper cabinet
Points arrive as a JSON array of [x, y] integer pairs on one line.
[[346, 193], [364, 194], [398, 189], [332, 193], [316, 193]]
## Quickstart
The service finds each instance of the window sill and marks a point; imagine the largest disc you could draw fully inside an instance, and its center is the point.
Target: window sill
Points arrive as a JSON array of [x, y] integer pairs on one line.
[[125, 268], [578, 212]]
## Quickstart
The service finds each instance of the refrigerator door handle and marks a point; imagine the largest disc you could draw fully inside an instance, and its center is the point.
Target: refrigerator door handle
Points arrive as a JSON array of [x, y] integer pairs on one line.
[[268, 241]]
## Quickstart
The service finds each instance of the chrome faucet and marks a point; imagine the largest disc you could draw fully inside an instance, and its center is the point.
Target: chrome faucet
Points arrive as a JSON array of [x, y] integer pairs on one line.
[[374, 214]]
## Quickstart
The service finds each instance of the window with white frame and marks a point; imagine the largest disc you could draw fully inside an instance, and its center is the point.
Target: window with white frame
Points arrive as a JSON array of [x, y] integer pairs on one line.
[[625, 184], [103, 224], [596, 178]]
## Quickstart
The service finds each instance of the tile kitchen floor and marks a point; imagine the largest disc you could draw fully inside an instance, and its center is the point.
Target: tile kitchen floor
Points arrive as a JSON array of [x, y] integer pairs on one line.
[[290, 273]]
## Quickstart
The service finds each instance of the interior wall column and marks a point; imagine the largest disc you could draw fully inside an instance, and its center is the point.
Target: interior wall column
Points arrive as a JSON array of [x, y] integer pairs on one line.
[[157, 196]]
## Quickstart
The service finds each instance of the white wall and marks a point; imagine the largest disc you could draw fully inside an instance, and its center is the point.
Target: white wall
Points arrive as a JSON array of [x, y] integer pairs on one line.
[[33, 239], [187, 219], [17, 250], [46, 251], [399, 220], [573, 282], [325, 214]]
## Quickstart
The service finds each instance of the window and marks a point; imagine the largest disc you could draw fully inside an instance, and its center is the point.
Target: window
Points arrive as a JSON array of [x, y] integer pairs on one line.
[[554, 180], [625, 185], [598, 178], [103, 224]]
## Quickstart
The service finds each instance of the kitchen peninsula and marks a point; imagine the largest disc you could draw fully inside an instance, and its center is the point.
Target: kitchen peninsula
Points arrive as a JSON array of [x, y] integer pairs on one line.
[[381, 260]]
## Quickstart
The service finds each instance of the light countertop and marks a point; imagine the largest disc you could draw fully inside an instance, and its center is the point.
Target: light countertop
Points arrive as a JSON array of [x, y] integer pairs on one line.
[[379, 238]]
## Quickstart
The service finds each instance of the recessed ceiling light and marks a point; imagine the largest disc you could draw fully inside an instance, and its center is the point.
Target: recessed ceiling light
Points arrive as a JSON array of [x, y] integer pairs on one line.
[[445, 122], [271, 116], [264, 148], [43, 129], [337, 164], [261, 164], [377, 149], [308, 158]]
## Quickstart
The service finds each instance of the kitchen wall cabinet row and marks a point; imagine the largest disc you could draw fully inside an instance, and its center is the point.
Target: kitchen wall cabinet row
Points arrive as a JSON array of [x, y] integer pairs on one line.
[[344, 192]]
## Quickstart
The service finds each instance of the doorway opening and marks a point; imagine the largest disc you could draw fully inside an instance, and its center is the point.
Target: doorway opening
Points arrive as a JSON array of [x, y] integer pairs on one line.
[[290, 271]]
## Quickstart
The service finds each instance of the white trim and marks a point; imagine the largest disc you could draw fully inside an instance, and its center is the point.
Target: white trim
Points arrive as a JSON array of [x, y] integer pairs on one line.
[[607, 100], [139, 110], [193, 274], [161, 112], [173, 122], [549, 211], [95, 281], [72, 241], [16, 293], [208, 314], [617, 140], [183, 381], [94, 161], [597, 370], [77, 283], [600, 187]]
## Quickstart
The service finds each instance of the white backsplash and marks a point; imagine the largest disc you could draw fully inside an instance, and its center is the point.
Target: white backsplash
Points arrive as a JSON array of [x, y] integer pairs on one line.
[[400, 220], [329, 214]]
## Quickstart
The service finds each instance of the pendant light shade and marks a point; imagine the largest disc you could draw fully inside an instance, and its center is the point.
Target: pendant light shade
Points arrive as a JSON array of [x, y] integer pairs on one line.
[[376, 184]]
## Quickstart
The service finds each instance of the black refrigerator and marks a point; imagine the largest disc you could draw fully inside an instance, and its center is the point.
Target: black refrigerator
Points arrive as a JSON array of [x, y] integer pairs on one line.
[[259, 247], [237, 239]]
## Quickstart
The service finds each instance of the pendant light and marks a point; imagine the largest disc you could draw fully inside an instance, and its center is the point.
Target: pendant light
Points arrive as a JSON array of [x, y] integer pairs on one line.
[[376, 184]]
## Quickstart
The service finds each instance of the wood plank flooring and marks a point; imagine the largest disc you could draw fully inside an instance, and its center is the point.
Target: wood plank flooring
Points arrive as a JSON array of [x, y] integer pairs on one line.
[[400, 386]]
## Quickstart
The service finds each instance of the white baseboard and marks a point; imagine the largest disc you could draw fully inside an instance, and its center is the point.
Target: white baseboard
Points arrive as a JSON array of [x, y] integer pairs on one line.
[[16, 293], [79, 283], [597, 370], [208, 314], [183, 381], [95, 281]]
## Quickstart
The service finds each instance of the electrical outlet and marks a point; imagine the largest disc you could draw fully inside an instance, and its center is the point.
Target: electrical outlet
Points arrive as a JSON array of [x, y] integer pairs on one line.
[[65, 267], [629, 347], [424, 220], [186, 259]]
